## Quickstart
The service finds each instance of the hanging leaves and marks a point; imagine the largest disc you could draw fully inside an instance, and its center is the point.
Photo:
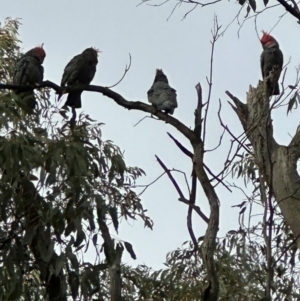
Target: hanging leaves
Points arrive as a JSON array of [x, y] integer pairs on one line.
[[129, 249], [247, 11], [252, 4], [73, 280], [293, 103]]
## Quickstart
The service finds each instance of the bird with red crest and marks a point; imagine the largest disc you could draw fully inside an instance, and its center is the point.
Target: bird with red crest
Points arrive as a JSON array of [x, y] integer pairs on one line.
[[271, 60], [79, 71], [29, 71]]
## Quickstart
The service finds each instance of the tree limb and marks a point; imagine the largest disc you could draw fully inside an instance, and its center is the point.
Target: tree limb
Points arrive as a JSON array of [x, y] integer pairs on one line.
[[119, 99], [277, 163], [292, 10]]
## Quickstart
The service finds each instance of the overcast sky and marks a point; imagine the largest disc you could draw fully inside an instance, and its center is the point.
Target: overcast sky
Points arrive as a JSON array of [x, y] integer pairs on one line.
[[182, 49]]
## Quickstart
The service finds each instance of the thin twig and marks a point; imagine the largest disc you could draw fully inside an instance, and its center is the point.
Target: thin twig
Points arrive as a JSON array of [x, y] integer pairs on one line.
[[220, 141], [141, 120], [215, 35], [185, 178], [148, 185], [216, 178], [126, 70]]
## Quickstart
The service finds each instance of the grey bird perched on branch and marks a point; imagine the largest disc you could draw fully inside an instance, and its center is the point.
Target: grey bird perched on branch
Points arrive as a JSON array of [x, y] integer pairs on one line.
[[79, 71], [29, 71], [161, 95]]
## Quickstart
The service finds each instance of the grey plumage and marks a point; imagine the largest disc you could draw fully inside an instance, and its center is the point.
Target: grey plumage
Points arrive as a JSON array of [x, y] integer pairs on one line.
[[80, 70], [161, 95], [29, 71], [271, 60]]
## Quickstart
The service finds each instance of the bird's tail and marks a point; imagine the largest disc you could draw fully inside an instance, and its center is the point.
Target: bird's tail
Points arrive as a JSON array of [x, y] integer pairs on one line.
[[26, 100], [74, 100], [274, 89]]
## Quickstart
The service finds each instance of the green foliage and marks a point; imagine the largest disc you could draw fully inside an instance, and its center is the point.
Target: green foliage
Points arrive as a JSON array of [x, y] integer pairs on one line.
[[240, 263], [246, 169], [293, 102], [9, 49], [56, 187]]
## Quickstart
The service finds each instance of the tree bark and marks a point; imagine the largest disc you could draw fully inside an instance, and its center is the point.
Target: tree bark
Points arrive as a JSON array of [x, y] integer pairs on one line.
[[113, 257], [277, 163]]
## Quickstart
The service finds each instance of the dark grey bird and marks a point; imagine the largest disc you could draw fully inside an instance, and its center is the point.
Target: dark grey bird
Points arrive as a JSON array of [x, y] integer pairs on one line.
[[29, 71], [271, 60], [79, 71], [161, 95]]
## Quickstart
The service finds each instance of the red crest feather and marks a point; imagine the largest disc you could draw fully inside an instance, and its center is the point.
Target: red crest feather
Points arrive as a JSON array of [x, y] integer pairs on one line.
[[266, 38], [96, 50], [39, 50]]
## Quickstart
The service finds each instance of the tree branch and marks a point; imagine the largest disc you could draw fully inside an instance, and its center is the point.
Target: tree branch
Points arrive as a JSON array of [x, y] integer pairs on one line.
[[113, 258], [198, 112], [119, 99], [181, 147], [292, 10], [182, 198], [189, 215]]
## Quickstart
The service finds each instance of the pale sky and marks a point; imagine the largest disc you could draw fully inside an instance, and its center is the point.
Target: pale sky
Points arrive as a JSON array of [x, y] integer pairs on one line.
[[182, 49]]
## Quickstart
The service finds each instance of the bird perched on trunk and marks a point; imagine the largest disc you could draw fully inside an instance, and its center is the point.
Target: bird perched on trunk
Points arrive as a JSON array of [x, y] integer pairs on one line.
[[161, 95], [271, 59], [29, 71], [79, 71]]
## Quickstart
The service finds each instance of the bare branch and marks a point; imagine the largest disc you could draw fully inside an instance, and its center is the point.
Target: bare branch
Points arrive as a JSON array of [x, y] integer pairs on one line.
[[148, 185], [187, 13], [43, 84], [171, 177], [172, 12], [216, 178], [215, 35], [244, 110], [196, 208], [199, 3], [119, 99], [196, 4], [185, 178], [141, 120], [126, 70], [292, 10], [181, 147], [255, 16], [220, 141], [189, 215], [182, 198], [198, 111]]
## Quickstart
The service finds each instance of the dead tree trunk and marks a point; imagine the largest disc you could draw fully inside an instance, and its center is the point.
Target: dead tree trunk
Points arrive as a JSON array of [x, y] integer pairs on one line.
[[277, 163]]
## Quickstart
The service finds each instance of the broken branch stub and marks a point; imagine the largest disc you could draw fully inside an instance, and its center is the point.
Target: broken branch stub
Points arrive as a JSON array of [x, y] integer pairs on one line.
[[277, 163]]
